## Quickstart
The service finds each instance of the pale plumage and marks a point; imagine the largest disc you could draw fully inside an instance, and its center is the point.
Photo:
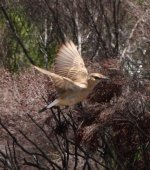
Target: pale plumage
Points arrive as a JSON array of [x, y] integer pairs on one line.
[[69, 63], [71, 77]]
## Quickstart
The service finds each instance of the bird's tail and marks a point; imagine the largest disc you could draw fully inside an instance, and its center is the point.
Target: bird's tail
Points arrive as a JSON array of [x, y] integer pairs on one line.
[[55, 102]]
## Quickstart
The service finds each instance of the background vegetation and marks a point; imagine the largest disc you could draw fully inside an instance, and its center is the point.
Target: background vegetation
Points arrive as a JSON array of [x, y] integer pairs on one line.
[[111, 132]]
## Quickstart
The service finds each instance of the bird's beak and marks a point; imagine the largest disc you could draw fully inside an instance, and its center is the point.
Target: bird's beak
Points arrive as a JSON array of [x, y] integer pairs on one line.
[[105, 78]]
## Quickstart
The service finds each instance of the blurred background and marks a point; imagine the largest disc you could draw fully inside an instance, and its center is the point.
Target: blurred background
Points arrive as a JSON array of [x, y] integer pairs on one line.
[[112, 130]]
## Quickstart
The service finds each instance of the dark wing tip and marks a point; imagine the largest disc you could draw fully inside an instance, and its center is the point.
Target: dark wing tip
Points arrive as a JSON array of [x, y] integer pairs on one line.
[[42, 110]]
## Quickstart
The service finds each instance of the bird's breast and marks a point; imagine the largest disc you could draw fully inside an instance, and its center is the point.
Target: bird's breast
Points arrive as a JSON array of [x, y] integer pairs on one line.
[[72, 98]]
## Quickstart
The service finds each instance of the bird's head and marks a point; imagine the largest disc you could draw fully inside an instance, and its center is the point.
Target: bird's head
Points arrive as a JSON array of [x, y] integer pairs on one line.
[[94, 78]]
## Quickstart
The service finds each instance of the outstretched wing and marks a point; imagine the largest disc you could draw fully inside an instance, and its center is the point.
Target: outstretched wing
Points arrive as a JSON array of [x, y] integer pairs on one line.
[[62, 84], [70, 64]]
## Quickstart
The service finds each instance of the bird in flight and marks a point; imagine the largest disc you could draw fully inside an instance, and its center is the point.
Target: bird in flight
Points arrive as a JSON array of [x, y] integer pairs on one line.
[[71, 78]]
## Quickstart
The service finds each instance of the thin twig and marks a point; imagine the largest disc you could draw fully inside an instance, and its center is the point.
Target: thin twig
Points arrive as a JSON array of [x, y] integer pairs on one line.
[[131, 35]]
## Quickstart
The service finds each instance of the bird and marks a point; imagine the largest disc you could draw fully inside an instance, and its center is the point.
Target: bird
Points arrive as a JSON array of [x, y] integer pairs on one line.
[[71, 78]]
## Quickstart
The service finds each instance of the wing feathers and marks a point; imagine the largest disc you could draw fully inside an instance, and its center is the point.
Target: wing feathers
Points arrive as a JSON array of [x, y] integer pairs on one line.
[[62, 84], [70, 64], [69, 68]]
